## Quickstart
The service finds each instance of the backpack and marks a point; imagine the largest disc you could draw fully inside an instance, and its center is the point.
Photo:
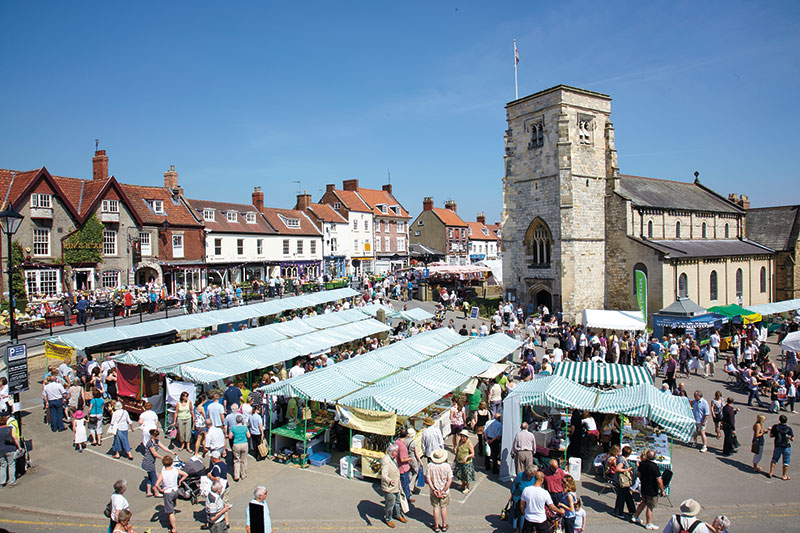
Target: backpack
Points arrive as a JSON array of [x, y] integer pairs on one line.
[[690, 529], [781, 434]]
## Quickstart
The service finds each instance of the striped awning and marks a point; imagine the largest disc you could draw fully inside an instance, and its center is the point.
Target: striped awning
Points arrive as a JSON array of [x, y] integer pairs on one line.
[[589, 373]]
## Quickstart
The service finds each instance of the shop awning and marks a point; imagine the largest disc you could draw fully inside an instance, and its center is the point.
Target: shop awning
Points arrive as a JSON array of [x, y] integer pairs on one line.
[[615, 320], [589, 373], [554, 391], [791, 342], [733, 311], [775, 308]]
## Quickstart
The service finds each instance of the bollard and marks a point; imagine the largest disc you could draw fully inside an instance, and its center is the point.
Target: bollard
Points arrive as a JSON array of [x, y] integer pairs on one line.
[[140, 312], [114, 316], [166, 310]]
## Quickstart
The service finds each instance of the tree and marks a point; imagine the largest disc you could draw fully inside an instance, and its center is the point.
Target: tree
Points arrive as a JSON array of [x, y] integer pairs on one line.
[[18, 281]]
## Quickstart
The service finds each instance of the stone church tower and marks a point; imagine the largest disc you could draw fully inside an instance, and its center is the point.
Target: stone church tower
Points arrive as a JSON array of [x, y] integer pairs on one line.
[[560, 164]]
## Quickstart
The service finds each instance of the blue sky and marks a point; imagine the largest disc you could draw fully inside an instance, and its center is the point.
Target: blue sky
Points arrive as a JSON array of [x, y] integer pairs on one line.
[[239, 94]]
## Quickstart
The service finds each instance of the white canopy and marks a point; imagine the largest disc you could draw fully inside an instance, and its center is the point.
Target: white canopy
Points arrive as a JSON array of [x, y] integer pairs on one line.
[[775, 307], [619, 320], [791, 342]]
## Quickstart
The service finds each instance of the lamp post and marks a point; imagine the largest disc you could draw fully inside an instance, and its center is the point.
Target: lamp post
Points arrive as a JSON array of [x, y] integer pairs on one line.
[[11, 220]]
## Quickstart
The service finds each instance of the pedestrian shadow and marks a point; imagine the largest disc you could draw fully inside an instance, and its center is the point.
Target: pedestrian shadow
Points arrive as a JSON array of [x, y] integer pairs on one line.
[[596, 505], [739, 465], [497, 525], [369, 511]]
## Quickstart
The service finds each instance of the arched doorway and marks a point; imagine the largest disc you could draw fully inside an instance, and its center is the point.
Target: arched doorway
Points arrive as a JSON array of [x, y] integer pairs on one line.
[[145, 275], [543, 297]]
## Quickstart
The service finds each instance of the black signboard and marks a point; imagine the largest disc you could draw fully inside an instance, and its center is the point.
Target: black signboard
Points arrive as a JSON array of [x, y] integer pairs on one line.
[[17, 365]]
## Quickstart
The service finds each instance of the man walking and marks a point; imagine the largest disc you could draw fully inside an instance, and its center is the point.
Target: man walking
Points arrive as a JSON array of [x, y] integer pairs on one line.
[[216, 509], [390, 485], [54, 395], [652, 487], [257, 519], [523, 448], [432, 438], [752, 387], [439, 478], [493, 434], [783, 435], [404, 464], [700, 410], [533, 502], [728, 427]]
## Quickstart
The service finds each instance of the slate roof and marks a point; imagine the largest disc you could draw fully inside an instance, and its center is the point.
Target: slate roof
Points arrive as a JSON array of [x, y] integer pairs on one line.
[[326, 213], [375, 197], [676, 195], [678, 249], [683, 307], [477, 232], [273, 216], [448, 217], [418, 250], [221, 223], [775, 227]]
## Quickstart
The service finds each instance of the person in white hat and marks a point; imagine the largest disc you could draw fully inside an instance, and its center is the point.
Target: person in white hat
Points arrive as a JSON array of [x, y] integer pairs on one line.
[[439, 478], [687, 520]]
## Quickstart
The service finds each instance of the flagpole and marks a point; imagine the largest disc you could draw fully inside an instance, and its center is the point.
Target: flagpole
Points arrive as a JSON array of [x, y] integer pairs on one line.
[[516, 60]]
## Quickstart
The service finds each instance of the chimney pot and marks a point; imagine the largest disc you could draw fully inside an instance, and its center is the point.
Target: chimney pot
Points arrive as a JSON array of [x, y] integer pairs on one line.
[[171, 178], [350, 185], [303, 201], [388, 188], [258, 199], [451, 205], [744, 201], [330, 187], [100, 165], [427, 203], [481, 218]]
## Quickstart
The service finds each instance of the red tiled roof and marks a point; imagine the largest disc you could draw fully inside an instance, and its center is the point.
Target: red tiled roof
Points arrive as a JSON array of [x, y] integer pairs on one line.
[[375, 197], [221, 223], [352, 201], [177, 213], [477, 232], [326, 213], [16, 187], [448, 217], [273, 216]]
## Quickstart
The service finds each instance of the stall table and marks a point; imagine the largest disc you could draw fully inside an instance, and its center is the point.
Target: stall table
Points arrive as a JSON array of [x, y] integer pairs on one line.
[[370, 462], [639, 440], [298, 432]]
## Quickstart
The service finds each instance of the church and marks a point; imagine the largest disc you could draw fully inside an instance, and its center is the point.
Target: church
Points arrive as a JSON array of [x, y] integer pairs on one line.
[[575, 230]]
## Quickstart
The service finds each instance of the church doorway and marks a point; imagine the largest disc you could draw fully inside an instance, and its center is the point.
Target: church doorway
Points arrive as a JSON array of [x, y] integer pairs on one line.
[[543, 297]]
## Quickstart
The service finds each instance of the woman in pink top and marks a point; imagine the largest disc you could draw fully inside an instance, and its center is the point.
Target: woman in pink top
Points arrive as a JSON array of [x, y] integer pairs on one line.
[[457, 417]]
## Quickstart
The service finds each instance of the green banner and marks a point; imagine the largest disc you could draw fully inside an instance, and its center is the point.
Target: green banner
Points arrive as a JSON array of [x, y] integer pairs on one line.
[[641, 291]]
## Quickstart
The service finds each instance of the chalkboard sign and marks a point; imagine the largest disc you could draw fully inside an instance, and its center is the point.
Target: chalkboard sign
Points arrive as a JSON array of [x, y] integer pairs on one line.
[[17, 365], [474, 312]]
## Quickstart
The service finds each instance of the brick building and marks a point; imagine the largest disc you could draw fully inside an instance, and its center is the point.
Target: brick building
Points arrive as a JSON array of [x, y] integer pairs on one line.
[[442, 229], [778, 228]]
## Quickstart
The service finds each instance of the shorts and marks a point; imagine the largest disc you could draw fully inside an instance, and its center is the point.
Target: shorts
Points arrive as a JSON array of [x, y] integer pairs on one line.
[[455, 429], [650, 501], [440, 502], [169, 501], [785, 452], [700, 426]]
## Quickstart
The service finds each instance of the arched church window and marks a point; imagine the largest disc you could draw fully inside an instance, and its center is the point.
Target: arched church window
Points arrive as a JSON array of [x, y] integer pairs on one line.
[[683, 282], [538, 243]]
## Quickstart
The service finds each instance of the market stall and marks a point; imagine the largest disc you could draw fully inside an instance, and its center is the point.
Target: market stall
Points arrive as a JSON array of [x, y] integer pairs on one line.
[[604, 374], [613, 320], [684, 317]]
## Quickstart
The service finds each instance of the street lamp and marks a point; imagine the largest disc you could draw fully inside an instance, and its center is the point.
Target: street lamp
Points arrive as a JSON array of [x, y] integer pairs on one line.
[[11, 221]]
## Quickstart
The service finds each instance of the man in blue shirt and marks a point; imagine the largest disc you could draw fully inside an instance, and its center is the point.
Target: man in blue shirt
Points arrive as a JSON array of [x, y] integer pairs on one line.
[[83, 305], [257, 519], [232, 396], [701, 412], [493, 434], [216, 412]]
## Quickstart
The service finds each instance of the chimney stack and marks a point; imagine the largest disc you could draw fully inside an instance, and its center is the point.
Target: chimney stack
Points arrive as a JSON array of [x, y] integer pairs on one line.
[[387, 188], [481, 218], [350, 185], [100, 165], [744, 201], [303, 201], [427, 203], [451, 205], [733, 197], [258, 199], [330, 187], [171, 180]]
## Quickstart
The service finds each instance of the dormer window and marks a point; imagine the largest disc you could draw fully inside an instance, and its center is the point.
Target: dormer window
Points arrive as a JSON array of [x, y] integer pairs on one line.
[[208, 215], [44, 201], [156, 206], [231, 216], [395, 209], [470, 232], [110, 206], [337, 205], [250, 217], [382, 208], [290, 222], [485, 231]]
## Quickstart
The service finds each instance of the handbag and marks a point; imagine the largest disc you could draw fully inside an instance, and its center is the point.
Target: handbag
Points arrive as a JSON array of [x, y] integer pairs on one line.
[[263, 451], [403, 502], [107, 510], [488, 450], [625, 480], [112, 429], [755, 447]]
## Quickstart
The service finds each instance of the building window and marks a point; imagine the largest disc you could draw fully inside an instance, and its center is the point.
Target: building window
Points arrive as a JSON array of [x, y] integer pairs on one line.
[[110, 206], [538, 242], [378, 244], [355, 225], [42, 282], [145, 246], [650, 229], [739, 283], [387, 244], [536, 129], [450, 233], [299, 246], [231, 216], [41, 242], [727, 231], [683, 282], [240, 246], [337, 205], [250, 218], [678, 229], [585, 130], [109, 279], [156, 206], [713, 286], [366, 225], [763, 280], [259, 246], [109, 243], [401, 227], [313, 247], [355, 246], [217, 246], [401, 244], [286, 247], [641, 268], [703, 230], [420, 223], [177, 246], [382, 208], [44, 201], [417, 233], [208, 215]]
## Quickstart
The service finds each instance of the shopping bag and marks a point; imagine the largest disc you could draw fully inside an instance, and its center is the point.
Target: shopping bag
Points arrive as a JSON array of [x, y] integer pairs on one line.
[[112, 429], [263, 451], [421, 479], [403, 502]]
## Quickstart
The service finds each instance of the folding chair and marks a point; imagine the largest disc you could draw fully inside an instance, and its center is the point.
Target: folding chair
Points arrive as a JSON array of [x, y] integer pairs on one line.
[[666, 479]]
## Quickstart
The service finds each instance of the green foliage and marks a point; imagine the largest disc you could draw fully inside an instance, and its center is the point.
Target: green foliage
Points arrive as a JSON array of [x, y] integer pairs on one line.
[[18, 282], [487, 305], [86, 244]]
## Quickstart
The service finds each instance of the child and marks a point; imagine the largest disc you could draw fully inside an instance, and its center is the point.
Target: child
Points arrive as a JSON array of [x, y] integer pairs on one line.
[[568, 504], [79, 431], [580, 517]]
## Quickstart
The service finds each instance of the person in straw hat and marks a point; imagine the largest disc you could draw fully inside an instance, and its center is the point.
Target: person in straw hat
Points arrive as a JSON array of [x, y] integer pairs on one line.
[[687, 520], [439, 478]]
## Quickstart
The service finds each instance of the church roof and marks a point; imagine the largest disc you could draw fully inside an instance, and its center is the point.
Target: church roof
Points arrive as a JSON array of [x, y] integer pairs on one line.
[[683, 307], [679, 249], [776, 227], [677, 195]]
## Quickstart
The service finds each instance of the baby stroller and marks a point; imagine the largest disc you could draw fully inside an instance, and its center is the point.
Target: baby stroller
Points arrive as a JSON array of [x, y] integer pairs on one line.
[[190, 489]]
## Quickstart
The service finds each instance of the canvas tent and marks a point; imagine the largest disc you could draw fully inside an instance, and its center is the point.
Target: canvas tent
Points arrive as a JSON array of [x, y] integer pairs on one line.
[[791, 342], [736, 313], [775, 308], [614, 320], [611, 374]]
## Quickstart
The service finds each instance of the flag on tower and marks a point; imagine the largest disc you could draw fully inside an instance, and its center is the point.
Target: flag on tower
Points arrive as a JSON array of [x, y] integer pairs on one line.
[[516, 54]]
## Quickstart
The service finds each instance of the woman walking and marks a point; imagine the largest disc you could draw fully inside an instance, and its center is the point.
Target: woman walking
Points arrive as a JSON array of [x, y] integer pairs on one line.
[[184, 416], [118, 503], [521, 482], [256, 424], [121, 422], [75, 397], [168, 481], [149, 459], [758, 441], [96, 418], [457, 419], [716, 412], [79, 431], [479, 420], [147, 420], [239, 435], [464, 470], [623, 479]]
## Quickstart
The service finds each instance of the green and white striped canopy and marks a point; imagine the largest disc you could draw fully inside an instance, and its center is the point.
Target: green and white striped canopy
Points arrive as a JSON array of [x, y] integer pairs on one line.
[[589, 373]]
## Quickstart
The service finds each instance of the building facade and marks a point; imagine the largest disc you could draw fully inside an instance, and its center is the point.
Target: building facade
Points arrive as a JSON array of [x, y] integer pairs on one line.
[[442, 229], [335, 235], [778, 228], [361, 220], [482, 241]]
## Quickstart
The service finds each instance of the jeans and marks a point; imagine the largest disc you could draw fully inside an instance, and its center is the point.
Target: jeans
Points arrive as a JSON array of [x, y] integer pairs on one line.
[[391, 504], [56, 410], [779, 451], [8, 465], [624, 498], [753, 394], [496, 407], [405, 484]]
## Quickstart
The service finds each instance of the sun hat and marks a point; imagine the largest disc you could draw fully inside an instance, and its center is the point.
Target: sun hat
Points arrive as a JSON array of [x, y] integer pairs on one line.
[[428, 421], [690, 507], [439, 456], [78, 414], [215, 454], [412, 432]]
